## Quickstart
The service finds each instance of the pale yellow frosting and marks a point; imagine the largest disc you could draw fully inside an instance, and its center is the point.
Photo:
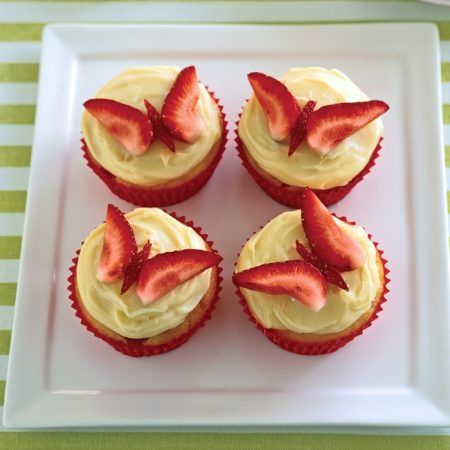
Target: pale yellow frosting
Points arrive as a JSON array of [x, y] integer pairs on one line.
[[306, 167], [125, 314], [158, 165], [276, 242]]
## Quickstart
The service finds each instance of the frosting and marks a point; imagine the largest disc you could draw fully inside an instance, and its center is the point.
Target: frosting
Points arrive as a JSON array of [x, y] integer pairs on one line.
[[306, 167], [125, 314], [276, 242], [158, 165]]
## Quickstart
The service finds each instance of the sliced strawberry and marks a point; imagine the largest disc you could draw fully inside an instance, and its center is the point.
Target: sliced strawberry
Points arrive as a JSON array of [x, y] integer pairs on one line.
[[331, 124], [299, 130], [278, 103], [126, 124], [158, 126], [178, 112], [327, 241], [331, 274], [166, 271], [119, 246], [295, 278], [131, 270]]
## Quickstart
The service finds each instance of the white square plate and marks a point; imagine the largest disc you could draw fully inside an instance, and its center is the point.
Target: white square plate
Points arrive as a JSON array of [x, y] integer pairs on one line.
[[397, 373]]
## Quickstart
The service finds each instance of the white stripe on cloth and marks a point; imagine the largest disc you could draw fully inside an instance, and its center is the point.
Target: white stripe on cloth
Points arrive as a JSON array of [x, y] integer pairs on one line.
[[6, 317], [11, 224], [14, 178], [16, 134], [9, 270], [18, 93], [3, 366], [252, 11], [19, 52]]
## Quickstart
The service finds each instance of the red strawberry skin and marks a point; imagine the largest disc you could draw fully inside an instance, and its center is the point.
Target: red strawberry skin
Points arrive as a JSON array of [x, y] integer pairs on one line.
[[330, 274], [299, 130], [295, 278], [178, 112], [126, 124], [327, 241], [131, 271], [158, 126], [279, 105], [164, 272], [119, 246], [331, 124]]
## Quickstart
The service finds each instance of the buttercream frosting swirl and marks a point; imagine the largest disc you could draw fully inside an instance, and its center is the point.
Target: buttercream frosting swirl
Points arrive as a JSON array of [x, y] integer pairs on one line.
[[307, 167], [276, 242], [158, 165], [125, 314]]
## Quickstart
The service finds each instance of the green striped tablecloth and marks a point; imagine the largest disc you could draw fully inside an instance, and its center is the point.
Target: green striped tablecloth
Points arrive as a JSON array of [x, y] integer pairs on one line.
[[21, 24]]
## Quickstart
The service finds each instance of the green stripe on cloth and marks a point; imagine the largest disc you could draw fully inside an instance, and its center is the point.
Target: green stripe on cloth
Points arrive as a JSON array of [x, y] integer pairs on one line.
[[18, 72], [446, 113], [17, 114], [2, 391], [448, 202], [444, 30], [21, 31], [10, 247], [219, 441], [12, 201], [447, 155], [445, 71], [5, 341], [8, 294], [15, 156]]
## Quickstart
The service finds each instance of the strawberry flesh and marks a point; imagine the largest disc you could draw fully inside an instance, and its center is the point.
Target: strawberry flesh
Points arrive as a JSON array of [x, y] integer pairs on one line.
[[330, 274], [327, 240], [164, 272], [279, 105], [178, 112], [119, 246], [331, 124], [131, 271], [299, 130], [295, 278], [160, 130], [126, 124]]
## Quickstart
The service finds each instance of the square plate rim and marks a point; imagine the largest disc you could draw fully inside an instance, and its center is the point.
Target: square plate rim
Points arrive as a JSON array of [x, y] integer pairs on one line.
[[55, 28]]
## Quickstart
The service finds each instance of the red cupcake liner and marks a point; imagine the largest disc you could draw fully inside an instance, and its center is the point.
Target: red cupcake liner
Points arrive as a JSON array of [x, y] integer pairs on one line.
[[323, 347], [138, 347], [148, 196], [292, 198]]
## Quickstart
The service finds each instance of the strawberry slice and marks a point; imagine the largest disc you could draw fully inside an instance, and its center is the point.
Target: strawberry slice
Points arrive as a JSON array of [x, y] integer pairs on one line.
[[126, 124], [178, 112], [327, 241], [295, 278], [331, 124], [299, 130], [330, 274], [131, 270], [166, 271], [158, 126], [278, 103], [119, 246]]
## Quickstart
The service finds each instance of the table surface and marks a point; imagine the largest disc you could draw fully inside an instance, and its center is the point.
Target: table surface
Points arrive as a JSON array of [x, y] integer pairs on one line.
[[21, 25]]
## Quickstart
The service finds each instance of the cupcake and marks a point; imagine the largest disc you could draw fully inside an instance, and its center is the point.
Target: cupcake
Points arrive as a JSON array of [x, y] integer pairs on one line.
[[154, 135], [311, 282], [313, 128], [144, 281]]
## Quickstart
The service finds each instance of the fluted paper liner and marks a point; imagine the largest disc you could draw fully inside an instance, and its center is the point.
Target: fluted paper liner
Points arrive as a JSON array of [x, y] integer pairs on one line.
[[149, 196], [323, 347], [138, 347], [286, 196]]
